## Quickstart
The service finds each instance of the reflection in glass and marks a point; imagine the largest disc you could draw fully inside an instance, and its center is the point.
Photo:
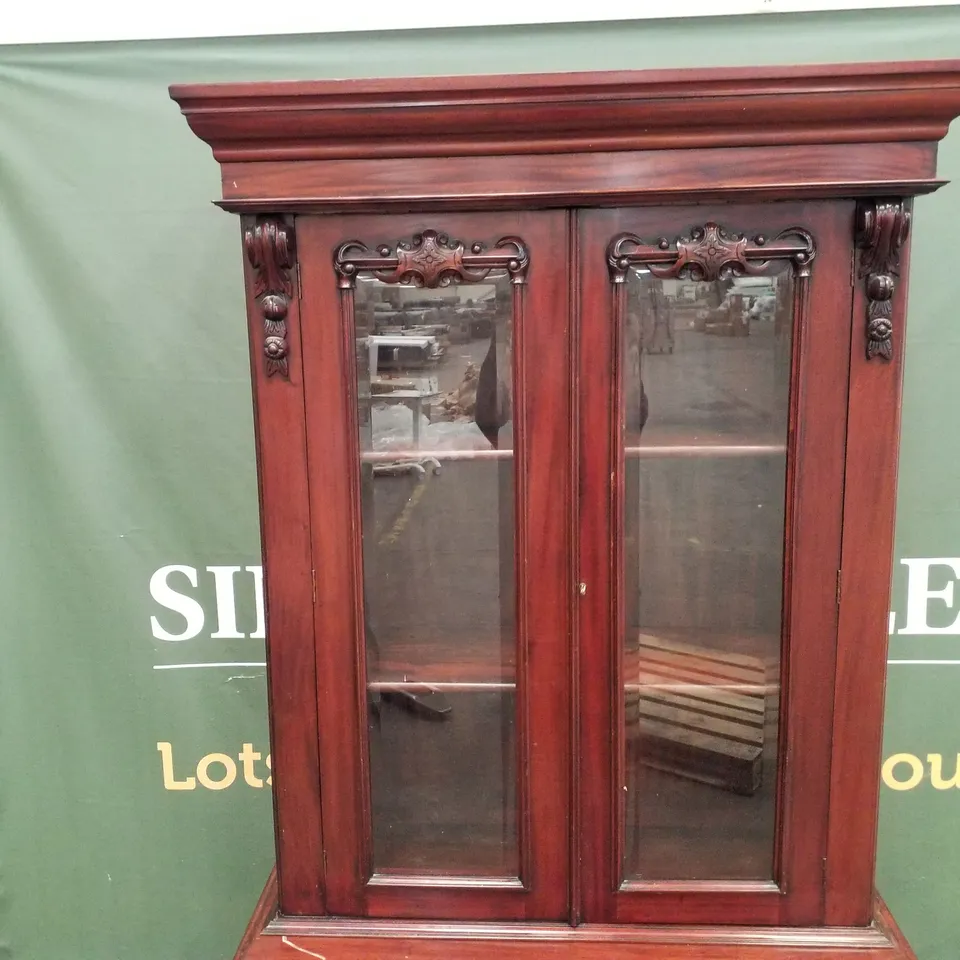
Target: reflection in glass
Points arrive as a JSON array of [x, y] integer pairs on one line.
[[706, 384], [437, 490]]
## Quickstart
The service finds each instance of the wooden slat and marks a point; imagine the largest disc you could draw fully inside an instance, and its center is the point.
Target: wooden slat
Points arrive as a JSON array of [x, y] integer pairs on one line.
[[700, 731], [706, 707], [748, 734], [722, 658]]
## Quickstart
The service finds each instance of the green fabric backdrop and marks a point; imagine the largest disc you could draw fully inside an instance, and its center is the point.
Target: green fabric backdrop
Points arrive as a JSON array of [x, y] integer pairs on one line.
[[126, 439]]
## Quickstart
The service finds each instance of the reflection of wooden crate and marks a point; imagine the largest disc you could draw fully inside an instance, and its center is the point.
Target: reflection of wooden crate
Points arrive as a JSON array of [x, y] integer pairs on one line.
[[699, 713]]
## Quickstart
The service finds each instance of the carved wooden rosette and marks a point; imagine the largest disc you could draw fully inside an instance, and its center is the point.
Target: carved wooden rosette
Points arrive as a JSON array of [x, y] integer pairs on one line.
[[271, 250], [882, 230], [709, 253], [431, 259]]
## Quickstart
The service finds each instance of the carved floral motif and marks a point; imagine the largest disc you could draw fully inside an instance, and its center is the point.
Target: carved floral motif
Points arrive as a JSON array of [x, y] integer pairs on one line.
[[882, 229], [431, 259], [270, 248], [709, 253]]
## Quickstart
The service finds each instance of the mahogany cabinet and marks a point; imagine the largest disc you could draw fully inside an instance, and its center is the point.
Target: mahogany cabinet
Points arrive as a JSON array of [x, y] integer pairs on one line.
[[577, 410]]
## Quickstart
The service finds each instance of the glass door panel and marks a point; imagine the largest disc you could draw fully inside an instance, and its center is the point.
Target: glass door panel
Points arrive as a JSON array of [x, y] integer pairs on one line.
[[435, 409], [704, 427]]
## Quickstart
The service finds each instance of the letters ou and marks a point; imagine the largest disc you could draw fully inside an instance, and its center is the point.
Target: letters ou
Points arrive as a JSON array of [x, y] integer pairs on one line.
[[190, 608], [894, 776]]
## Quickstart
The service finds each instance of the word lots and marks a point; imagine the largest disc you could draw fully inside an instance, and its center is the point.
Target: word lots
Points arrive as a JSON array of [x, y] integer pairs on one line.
[[215, 771]]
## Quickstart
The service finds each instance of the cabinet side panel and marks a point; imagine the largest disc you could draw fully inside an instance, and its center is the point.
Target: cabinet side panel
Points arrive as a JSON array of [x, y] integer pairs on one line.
[[285, 536], [868, 525]]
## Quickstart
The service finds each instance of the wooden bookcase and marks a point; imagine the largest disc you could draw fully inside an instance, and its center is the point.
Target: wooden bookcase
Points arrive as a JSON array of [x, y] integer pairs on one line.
[[577, 412]]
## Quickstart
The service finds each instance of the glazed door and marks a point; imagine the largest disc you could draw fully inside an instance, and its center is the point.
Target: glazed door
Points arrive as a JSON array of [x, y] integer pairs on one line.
[[438, 419], [714, 348]]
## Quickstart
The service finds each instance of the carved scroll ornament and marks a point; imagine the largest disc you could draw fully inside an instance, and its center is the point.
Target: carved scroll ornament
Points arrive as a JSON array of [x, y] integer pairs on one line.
[[709, 253], [431, 259], [882, 229], [270, 248]]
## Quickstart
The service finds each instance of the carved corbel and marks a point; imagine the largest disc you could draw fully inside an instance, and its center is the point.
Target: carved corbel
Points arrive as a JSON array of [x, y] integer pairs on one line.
[[270, 248], [882, 229]]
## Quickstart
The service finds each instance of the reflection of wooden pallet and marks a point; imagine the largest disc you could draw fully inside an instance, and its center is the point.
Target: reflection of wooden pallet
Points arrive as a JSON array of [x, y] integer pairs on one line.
[[698, 713]]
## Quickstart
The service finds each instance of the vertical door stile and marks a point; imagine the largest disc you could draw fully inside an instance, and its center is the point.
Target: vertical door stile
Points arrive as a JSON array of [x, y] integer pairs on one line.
[[574, 572], [617, 607], [518, 281], [355, 518], [801, 301]]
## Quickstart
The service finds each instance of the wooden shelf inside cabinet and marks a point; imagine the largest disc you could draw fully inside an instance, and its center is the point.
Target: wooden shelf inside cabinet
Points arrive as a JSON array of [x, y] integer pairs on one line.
[[567, 409]]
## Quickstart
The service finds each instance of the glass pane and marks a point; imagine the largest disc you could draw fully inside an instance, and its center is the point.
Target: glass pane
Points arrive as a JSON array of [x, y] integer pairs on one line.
[[707, 371], [438, 555]]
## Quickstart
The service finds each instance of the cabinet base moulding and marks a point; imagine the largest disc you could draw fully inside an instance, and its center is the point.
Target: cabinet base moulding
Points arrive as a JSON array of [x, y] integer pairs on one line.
[[270, 936]]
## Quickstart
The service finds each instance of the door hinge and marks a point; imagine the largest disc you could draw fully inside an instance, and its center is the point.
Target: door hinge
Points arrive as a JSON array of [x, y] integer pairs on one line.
[[839, 584], [313, 582], [299, 284]]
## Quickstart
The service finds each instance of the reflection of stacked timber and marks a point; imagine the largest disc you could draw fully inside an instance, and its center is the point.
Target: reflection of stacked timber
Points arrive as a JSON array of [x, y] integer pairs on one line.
[[697, 713]]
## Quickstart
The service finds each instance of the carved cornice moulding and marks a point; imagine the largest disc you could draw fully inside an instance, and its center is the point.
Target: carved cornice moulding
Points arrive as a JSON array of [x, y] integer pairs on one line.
[[581, 112]]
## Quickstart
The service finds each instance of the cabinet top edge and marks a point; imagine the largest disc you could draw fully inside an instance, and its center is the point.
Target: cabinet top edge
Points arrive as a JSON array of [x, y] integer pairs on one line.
[[706, 81], [524, 114]]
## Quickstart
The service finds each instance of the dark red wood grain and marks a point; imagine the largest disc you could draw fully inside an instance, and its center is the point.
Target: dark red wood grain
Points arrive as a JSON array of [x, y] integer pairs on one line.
[[284, 938], [581, 179], [285, 536], [811, 558], [558, 113], [873, 426]]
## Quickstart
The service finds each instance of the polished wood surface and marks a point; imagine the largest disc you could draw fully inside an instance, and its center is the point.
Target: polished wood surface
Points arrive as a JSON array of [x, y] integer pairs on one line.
[[574, 112], [568, 162], [272, 937], [864, 594], [285, 534], [581, 179]]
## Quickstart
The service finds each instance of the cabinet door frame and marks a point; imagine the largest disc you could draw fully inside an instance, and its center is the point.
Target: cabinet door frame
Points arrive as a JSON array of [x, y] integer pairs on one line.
[[542, 438], [814, 500]]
